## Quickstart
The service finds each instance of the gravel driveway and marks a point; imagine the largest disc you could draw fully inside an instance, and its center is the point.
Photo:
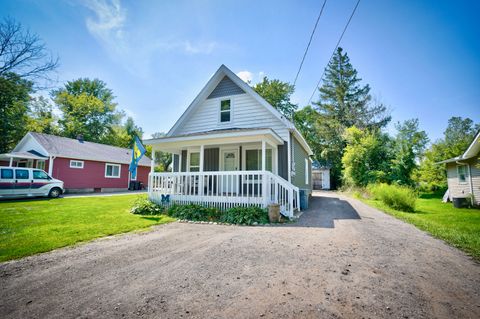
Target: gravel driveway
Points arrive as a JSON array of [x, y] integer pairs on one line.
[[343, 259]]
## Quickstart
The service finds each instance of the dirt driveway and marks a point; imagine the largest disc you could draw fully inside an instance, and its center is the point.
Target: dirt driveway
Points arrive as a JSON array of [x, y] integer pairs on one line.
[[353, 262]]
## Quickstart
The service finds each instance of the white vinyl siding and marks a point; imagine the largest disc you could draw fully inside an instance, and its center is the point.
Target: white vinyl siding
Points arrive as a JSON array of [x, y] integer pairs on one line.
[[76, 164], [112, 170], [246, 112]]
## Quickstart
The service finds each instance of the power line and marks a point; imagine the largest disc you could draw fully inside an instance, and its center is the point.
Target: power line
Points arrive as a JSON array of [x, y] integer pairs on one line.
[[334, 50], [309, 41]]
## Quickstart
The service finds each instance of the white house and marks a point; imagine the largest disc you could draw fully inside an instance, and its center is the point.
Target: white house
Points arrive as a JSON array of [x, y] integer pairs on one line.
[[231, 147]]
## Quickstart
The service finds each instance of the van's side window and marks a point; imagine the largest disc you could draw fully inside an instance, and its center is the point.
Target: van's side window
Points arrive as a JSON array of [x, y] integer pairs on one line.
[[21, 174], [7, 173], [40, 175]]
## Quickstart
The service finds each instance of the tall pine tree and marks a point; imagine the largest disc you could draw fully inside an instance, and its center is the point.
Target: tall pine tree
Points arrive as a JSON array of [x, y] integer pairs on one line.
[[344, 102]]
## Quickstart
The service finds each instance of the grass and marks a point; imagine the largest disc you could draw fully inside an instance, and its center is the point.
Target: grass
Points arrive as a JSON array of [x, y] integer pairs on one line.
[[29, 227], [458, 227]]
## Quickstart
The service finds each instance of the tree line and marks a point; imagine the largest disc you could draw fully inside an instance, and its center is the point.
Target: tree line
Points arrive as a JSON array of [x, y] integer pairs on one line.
[[346, 129]]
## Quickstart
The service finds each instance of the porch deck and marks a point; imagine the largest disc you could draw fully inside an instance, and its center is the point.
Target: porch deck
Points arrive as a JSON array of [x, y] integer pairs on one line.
[[225, 189]]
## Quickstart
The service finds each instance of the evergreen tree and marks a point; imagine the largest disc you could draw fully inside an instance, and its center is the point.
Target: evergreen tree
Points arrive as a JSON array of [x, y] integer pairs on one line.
[[343, 103]]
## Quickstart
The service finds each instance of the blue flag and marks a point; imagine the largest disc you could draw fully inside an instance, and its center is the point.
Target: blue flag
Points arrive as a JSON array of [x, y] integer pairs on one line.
[[137, 153]]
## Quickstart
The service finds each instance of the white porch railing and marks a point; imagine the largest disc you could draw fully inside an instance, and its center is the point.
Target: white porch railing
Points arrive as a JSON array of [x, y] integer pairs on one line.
[[224, 189]]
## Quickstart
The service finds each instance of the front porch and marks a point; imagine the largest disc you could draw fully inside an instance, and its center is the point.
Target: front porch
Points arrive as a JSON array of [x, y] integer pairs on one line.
[[239, 167]]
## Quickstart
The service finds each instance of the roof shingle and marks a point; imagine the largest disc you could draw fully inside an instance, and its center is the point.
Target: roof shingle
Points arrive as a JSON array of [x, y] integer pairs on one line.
[[73, 148]]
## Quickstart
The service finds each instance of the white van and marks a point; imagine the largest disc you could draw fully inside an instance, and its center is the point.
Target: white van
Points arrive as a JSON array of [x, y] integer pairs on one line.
[[28, 182]]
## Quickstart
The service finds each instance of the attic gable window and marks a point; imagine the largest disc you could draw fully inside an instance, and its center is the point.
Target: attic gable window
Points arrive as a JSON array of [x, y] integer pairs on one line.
[[225, 108]]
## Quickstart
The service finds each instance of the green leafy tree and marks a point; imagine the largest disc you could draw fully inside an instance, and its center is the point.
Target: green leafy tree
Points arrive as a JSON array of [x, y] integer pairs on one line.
[[124, 135], [88, 109], [162, 159], [306, 121], [458, 135], [41, 117], [409, 145], [344, 102], [277, 93], [14, 99], [366, 155]]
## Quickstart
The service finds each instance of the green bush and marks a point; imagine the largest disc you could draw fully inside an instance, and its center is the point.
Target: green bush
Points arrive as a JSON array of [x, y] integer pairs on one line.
[[194, 212], [245, 215], [397, 197], [143, 206]]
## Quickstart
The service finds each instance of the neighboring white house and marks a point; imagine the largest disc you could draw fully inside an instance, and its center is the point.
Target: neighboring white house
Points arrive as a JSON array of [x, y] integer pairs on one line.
[[231, 147], [463, 173]]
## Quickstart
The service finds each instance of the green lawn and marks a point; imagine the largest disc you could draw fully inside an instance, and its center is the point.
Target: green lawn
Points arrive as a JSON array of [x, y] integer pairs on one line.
[[459, 227], [28, 227]]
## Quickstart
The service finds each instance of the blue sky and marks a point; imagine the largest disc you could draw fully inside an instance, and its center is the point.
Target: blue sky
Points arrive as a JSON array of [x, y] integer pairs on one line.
[[421, 58]]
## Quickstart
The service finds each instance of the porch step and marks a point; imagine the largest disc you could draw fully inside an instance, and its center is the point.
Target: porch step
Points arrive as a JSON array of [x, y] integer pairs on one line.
[[297, 213]]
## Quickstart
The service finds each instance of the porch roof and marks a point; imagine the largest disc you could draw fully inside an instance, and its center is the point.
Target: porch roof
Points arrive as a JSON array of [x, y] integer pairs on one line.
[[26, 155], [217, 137]]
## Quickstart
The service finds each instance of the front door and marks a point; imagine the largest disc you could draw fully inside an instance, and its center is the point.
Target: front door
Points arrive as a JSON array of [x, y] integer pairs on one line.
[[229, 182]]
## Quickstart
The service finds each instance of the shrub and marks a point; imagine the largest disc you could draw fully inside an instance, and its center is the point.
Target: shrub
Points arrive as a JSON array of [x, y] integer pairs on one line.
[[194, 212], [245, 215], [143, 206], [397, 197]]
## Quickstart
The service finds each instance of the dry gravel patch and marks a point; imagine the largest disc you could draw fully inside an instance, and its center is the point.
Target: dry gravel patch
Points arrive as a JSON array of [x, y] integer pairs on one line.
[[343, 259]]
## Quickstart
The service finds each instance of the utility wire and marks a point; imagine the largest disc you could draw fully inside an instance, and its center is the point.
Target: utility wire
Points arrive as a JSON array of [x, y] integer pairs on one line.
[[309, 42], [334, 50]]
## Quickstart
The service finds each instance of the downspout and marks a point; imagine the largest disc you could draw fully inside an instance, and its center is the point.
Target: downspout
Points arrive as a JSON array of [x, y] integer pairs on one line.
[[471, 183], [50, 165]]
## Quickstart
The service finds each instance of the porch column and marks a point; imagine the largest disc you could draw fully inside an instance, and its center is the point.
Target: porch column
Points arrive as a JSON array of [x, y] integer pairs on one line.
[[202, 149], [50, 165], [200, 169], [264, 174], [264, 155], [152, 162], [11, 162]]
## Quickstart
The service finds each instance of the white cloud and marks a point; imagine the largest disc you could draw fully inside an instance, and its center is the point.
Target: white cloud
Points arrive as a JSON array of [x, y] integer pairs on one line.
[[131, 46], [246, 76], [250, 77], [109, 21]]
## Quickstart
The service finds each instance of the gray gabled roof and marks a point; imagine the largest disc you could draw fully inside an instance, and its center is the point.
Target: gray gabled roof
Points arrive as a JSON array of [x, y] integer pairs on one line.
[[73, 148]]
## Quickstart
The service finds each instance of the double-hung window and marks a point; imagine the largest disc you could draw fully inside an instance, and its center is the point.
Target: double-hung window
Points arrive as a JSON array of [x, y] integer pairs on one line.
[[225, 111], [194, 162], [253, 160], [112, 170], [462, 173]]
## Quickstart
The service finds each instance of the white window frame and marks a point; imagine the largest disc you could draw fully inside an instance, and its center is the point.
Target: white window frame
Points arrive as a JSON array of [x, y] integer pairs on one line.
[[78, 162], [220, 100], [41, 165], [464, 173], [306, 171], [188, 162], [119, 170], [259, 150]]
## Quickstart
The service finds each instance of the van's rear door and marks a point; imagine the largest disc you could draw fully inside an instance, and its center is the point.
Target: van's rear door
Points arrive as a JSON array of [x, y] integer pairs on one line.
[[7, 182], [22, 181]]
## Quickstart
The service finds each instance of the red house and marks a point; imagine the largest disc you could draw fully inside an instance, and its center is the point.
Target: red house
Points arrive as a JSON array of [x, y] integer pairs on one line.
[[82, 166]]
